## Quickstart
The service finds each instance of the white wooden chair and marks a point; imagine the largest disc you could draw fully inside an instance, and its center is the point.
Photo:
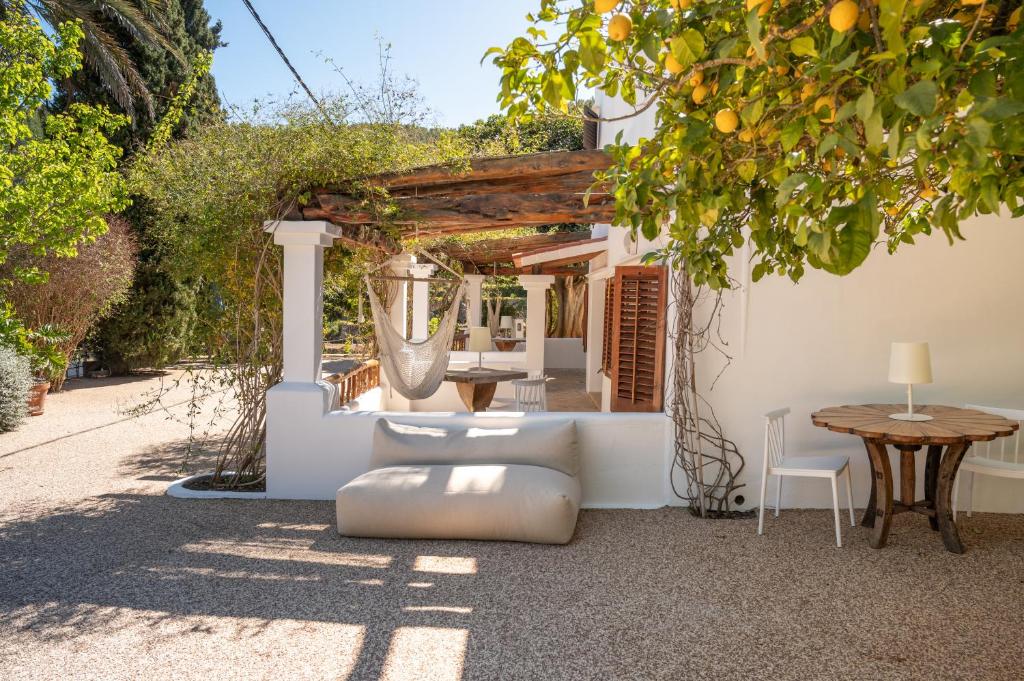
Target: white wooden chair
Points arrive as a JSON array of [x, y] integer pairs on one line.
[[531, 393], [1000, 458], [777, 463]]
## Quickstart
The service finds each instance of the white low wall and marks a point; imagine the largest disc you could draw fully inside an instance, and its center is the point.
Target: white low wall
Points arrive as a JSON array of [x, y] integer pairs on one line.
[[564, 353], [310, 453]]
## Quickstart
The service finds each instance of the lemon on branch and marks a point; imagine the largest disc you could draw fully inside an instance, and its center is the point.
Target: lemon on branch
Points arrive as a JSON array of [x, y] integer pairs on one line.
[[673, 65], [826, 102], [726, 121], [696, 79], [762, 6], [619, 27], [844, 15], [699, 93], [602, 6]]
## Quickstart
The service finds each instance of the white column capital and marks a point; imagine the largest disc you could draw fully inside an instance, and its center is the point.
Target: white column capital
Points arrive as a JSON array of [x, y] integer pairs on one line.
[[402, 263], [536, 281], [421, 270], [302, 232]]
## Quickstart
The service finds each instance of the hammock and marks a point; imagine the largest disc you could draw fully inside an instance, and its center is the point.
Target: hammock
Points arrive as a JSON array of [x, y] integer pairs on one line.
[[416, 369]]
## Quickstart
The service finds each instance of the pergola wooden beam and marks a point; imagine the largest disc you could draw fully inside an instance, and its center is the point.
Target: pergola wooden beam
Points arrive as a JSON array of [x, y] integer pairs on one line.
[[494, 193], [503, 250], [580, 251]]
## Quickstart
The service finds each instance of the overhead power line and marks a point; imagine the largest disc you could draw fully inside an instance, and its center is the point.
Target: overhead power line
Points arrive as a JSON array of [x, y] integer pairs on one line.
[[284, 58]]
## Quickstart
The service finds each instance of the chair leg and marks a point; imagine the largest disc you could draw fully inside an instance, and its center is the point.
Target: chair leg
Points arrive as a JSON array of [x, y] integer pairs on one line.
[[835, 507], [849, 495], [760, 512], [778, 496]]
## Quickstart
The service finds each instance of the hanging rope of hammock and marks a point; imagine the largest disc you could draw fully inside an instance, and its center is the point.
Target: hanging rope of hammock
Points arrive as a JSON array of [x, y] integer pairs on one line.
[[415, 369]]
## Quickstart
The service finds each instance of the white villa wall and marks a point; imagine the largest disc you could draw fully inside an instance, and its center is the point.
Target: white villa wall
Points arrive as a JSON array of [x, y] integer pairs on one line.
[[825, 341], [312, 452], [564, 353]]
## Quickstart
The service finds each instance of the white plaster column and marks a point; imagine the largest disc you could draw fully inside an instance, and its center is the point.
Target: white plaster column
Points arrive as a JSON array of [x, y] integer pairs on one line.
[[400, 266], [304, 243], [595, 332], [536, 308], [421, 300], [474, 299]]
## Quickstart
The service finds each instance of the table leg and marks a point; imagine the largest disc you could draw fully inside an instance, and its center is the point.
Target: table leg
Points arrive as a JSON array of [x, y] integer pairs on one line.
[[931, 478], [943, 496], [869, 512], [908, 475], [476, 396], [882, 486]]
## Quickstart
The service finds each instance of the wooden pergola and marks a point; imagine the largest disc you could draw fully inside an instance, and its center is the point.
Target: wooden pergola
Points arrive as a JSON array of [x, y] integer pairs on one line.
[[493, 193], [510, 255]]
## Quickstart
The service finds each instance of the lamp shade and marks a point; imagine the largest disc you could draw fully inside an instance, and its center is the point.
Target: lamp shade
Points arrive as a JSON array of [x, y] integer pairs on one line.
[[479, 339], [910, 363], [506, 322]]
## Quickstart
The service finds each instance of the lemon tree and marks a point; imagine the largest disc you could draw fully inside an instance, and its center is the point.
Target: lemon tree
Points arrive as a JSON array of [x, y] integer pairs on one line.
[[811, 129]]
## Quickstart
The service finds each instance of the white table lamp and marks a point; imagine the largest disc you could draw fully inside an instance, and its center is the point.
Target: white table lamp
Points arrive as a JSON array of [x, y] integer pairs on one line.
[[479, 342], [910, 363], [506, 324]]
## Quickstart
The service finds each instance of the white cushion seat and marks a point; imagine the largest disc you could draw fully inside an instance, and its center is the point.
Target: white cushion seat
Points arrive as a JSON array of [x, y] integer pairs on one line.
[[493, 501], [449, 482]]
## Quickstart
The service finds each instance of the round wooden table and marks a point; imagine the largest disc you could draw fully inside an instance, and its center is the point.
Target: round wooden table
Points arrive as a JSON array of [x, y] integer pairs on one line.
[[507, 344], [951, 429], [476, 386]]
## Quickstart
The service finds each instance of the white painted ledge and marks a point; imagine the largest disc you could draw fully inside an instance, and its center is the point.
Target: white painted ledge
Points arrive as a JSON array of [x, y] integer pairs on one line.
[[178, 490]]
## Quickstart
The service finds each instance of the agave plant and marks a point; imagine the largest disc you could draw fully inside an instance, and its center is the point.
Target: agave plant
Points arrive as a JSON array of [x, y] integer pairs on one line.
[[103, 50]]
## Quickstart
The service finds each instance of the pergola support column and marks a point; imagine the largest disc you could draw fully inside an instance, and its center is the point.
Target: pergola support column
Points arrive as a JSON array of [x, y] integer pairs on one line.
[[421, 300], [399, 312], [304, 243], [536, 312], [475, 300]]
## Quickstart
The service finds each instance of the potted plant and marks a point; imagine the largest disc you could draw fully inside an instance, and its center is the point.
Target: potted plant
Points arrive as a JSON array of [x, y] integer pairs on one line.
[[48, 362]]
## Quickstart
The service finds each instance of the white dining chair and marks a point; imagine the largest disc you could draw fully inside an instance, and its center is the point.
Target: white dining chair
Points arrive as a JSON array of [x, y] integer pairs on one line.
[[777, 463], [531, 393], [1000, 458]]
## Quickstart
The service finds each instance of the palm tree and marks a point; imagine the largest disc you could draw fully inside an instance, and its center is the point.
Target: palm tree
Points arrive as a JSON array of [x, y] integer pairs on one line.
[[105, 24]]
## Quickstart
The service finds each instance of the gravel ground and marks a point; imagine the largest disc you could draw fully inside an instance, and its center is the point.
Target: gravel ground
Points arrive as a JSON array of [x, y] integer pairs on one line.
[[102, 576]]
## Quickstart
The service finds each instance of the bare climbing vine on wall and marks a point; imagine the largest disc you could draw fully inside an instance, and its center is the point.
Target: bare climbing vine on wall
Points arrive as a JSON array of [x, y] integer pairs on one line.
[[709, 461]]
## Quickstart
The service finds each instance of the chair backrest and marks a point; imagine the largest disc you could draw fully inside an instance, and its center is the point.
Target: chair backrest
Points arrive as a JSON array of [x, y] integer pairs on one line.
[[1009, 449], [775, 437], [531, 394]]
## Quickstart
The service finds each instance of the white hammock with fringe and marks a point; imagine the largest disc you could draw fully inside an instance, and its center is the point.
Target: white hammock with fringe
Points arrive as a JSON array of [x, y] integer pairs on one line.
[[415, 370]]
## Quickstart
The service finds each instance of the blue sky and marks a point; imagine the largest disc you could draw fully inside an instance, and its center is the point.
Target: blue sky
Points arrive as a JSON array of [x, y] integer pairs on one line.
[[437, 42]]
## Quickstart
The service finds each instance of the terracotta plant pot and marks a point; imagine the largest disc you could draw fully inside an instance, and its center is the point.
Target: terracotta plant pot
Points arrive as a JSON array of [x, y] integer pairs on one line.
[[37, 397]]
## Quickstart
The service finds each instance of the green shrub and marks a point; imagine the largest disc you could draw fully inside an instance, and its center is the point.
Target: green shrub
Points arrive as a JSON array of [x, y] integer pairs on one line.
[[15, 382]]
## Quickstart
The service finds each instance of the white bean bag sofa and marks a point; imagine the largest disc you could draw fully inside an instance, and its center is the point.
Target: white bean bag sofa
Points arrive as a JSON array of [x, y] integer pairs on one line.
[[448, 482]]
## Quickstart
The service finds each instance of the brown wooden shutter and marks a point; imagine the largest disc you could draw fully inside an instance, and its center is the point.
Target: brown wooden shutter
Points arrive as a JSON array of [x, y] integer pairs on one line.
[[638, 338], [606, 336]]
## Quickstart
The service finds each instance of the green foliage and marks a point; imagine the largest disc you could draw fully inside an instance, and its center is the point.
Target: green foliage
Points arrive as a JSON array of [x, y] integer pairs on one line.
[[40, 347], [15, 383], [163, 73], [500, 135], [54, 188], [119, 34], [912, 120]]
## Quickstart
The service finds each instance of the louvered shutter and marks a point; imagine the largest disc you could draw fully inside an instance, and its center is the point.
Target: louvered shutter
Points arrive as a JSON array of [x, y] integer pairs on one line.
[[638, 338], [606, 336]]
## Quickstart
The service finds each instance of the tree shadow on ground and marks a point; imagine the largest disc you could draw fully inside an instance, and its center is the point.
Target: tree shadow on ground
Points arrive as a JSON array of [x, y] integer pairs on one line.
[[639, 594]]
